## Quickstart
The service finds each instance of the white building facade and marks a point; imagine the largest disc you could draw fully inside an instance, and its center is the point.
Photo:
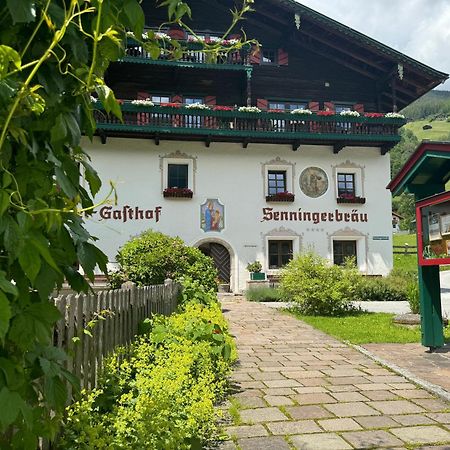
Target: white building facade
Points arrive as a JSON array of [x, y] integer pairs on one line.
[[236, 180], [260, 152]]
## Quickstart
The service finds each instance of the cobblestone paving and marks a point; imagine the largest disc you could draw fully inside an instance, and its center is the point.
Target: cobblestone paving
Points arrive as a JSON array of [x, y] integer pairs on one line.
[[299, 388]]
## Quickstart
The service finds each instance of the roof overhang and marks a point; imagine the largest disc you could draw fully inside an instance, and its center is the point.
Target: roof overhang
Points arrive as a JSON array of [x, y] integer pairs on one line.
[[428, 165], [385, 66]]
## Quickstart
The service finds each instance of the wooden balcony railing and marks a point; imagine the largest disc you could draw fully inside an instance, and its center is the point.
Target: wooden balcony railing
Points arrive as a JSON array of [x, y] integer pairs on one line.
[[270, 126], [192, 55]]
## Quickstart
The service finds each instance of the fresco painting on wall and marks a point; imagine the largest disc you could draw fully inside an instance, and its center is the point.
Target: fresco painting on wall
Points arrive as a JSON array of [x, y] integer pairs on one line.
[[212, 215]]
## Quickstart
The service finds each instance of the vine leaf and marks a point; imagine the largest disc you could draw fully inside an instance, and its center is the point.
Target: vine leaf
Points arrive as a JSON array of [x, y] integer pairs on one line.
[[5, 315], [11, 404], [22, 10], [30, 262]]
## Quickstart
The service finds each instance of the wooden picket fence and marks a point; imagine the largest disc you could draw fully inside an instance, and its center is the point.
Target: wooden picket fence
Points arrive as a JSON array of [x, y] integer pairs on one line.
[[93, 325]]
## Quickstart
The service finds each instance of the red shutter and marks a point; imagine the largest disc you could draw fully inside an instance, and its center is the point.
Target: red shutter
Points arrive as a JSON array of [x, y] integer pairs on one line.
[[142, 117], [177, 99], [283, 58], [359, 107], [314, 106], [210, 100], [255, 56], [176, 33], [262, 103], [328, 106]]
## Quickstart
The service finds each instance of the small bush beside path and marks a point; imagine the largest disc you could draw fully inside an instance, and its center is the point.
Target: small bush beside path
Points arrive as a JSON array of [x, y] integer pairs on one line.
[[160, 392]]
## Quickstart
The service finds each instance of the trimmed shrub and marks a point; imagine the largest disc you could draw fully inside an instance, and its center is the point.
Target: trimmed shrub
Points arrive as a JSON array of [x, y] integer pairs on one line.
[[392, 288], [263, 294], [152, 257], [380, 290], [318, 288], [160, 392]]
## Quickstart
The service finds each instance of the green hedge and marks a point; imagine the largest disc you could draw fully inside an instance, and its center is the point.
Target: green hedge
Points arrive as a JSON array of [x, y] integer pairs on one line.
[[159, 393], [152, 257]]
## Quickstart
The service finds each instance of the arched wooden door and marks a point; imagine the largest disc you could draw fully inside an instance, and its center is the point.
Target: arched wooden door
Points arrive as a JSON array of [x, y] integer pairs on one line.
[[221, 258]]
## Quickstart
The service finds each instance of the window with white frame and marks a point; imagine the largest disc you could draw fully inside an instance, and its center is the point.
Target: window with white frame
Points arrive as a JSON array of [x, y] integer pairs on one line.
[[349, 182], [277, 178], [279, 253], [178, 173], [343, 250]]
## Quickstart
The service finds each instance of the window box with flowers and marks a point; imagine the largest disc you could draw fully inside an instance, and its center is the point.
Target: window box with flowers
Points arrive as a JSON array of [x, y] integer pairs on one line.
[[350, 199], [280, 197], [175, 192]]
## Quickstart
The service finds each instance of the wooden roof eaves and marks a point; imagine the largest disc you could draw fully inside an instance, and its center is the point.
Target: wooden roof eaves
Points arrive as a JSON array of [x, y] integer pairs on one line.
[[396, 185], [368, 41]]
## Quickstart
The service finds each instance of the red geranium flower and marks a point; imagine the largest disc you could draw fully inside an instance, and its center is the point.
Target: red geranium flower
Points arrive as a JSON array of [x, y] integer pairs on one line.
[[325, 113]]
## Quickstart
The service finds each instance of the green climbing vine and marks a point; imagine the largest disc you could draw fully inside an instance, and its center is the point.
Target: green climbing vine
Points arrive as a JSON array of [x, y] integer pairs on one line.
[[53, 57]]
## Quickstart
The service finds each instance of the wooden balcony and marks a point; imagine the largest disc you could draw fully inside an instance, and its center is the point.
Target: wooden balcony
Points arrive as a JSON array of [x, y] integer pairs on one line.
[[164, 122], [192, 56]]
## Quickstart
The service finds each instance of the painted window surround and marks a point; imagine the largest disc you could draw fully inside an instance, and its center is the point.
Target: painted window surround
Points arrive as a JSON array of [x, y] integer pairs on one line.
[[357, 171], [279, 237], [278, 165], [177, 158]]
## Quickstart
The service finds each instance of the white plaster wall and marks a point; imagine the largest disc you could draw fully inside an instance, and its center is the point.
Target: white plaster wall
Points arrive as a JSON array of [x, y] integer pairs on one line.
[[234, 175]]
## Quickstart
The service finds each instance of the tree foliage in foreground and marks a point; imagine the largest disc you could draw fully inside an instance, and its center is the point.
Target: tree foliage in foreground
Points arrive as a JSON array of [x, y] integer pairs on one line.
[[53, 56]]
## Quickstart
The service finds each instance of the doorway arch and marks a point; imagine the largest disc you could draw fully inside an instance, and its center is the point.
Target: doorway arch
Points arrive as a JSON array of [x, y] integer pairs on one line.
[[223, 256]]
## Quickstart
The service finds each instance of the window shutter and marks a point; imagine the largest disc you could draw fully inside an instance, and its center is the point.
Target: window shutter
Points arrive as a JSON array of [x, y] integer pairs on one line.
[[142, 117], [177, 99], [176, 33], [255, 56], [262, 103], [283, 58], [329, 106], [314, 106], [359, 107], [210, 100]]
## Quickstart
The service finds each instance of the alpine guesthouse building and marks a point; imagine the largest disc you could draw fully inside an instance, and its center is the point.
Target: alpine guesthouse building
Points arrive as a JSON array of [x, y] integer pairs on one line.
[[257, 155]]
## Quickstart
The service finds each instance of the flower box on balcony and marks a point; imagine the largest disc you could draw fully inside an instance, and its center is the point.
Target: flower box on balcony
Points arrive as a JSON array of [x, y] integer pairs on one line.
[[177, 193], [352, 200], [280, 197]]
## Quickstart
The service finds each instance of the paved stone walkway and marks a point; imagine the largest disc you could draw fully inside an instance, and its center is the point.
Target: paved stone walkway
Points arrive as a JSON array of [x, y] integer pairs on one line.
[[432, 367], [299, 388]]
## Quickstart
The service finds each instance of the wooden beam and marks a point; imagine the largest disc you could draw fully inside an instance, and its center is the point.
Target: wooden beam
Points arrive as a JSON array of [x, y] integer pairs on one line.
[[339, 48], [386, 148], [296, 145], [208, 141], [245, 143], [156, 138], [103, 136], [336, 60], [338, 146]]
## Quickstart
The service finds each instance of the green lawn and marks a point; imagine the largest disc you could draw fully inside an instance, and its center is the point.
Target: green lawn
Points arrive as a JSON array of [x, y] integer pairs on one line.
[[365, 328], [440, 130], [405, 262]]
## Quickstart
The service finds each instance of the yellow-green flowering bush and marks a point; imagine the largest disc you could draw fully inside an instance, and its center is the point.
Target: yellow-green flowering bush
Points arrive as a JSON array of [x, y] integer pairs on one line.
[[159, 393]]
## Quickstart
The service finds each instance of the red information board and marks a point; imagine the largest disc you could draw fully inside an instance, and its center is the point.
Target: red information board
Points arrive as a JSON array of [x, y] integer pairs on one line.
[[433, 230]]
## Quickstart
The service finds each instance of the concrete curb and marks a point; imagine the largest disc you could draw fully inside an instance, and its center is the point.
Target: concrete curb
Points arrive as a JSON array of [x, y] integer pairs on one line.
[[430, 387]]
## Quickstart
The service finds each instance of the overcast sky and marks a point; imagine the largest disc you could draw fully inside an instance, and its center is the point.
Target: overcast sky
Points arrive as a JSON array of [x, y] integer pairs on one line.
[[418, 28]]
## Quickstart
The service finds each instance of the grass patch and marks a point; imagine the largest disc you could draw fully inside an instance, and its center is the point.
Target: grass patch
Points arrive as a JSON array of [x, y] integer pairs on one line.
[[235, 411], [365, 328], [408, 263], [440, 130]]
